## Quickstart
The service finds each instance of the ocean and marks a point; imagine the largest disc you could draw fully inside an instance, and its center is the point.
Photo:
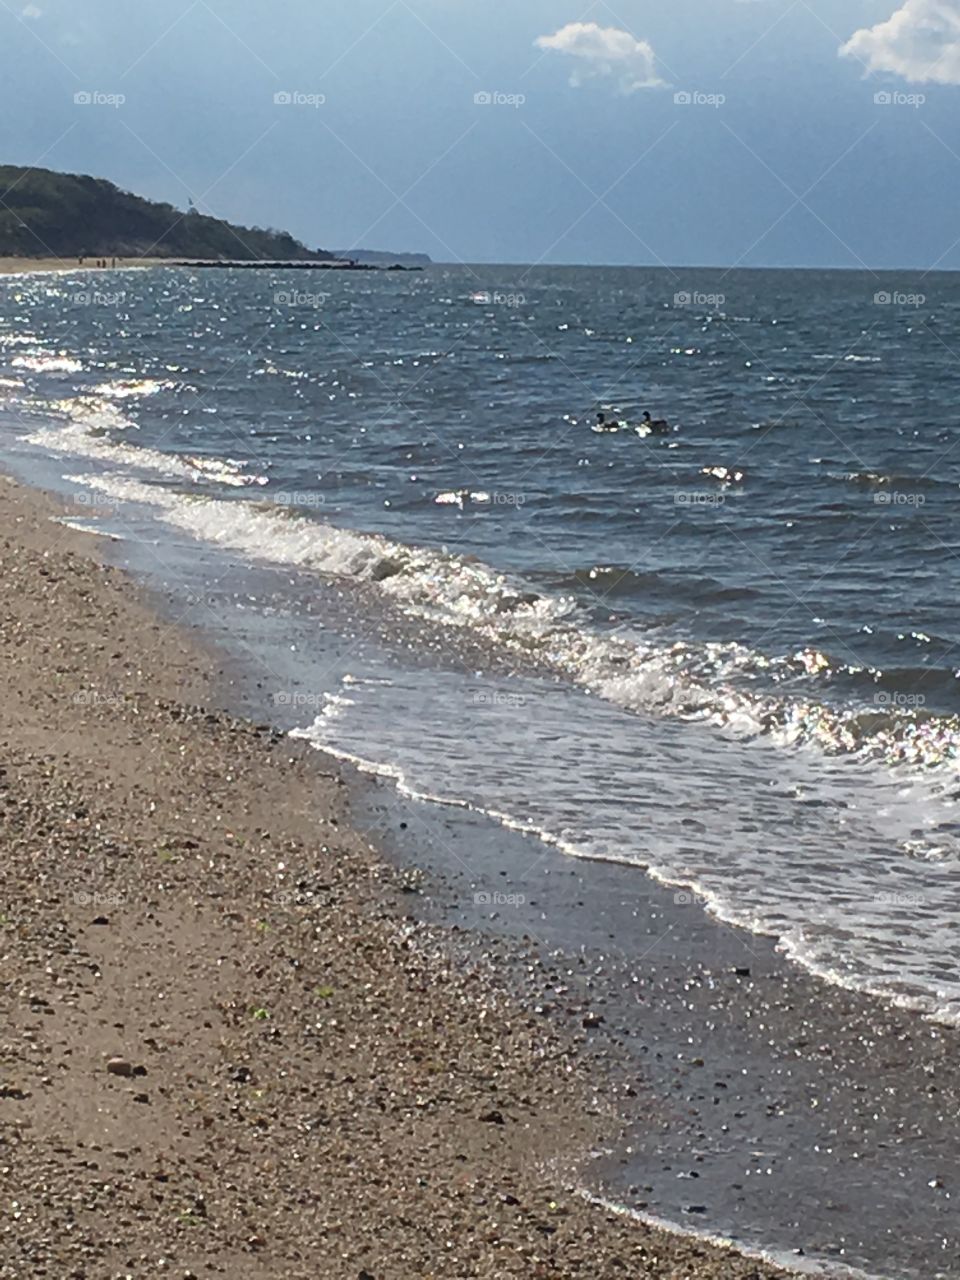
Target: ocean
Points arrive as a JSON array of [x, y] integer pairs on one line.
[[726, 651]]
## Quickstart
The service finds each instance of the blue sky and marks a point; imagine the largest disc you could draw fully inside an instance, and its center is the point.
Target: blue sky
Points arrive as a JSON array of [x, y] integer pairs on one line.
[[689, 132]]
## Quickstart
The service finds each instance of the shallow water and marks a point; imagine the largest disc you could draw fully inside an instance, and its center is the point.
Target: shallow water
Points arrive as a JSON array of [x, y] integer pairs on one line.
[[753, 619]]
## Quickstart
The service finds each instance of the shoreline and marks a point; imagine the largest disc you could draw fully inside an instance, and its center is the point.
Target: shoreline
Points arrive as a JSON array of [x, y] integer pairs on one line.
[[798, 1107], [227, 1044], [65, 266]]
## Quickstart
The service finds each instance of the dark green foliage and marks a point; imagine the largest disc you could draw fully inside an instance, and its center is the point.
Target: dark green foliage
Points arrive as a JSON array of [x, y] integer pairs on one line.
[[44, 213]]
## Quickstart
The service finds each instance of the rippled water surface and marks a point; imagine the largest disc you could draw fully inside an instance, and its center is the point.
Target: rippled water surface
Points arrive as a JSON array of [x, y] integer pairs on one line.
[[753, 610]]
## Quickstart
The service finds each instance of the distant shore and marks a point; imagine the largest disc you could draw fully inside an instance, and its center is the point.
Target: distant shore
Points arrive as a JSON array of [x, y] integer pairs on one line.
[[227, 1044], [31, 266]]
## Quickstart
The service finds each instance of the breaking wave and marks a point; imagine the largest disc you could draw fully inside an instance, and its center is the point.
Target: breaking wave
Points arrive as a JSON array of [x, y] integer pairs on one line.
[[625, 666]]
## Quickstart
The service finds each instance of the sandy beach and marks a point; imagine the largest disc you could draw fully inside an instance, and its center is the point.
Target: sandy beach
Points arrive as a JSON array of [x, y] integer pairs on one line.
[[35, 266], [227, 1047], [479, 707]]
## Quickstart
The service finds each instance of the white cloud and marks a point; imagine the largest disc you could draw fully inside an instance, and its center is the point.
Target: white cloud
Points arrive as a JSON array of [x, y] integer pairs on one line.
[[920, 42], [31, 11], [605, 51]]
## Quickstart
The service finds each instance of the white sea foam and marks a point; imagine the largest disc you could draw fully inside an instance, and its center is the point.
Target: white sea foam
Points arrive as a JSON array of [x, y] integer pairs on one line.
[[87, 434], [895, 830], [626, 667], [792, 1262], [85, 526], [91, 413], [757, 846]]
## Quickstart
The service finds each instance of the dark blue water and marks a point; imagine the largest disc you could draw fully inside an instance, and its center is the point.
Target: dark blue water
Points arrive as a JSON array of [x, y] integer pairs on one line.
[[763, 593]]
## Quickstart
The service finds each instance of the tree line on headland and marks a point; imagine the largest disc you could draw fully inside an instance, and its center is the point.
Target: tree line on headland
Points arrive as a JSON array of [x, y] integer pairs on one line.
[[44, 214]]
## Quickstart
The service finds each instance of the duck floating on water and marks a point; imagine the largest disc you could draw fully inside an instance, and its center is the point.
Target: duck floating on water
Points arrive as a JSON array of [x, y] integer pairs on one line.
[[604, 424], [648, 427], [656, 426]]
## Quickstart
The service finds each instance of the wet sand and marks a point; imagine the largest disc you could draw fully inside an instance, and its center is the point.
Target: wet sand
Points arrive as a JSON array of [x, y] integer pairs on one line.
[[766, 1105], [762, 1104], [228, 1047]]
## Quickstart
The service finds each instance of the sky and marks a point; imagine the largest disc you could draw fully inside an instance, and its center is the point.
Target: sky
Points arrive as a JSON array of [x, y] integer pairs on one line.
[[682, 132]]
